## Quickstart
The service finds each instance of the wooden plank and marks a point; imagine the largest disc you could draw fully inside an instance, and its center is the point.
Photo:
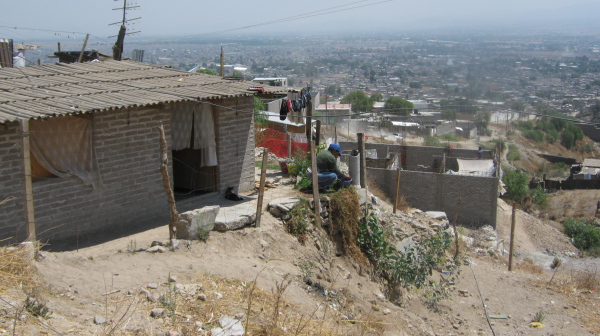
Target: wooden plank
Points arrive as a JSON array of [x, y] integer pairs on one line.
[[363, 160], [27, 187], [512, 236], [261, 190], [397, 189], [315, 184]]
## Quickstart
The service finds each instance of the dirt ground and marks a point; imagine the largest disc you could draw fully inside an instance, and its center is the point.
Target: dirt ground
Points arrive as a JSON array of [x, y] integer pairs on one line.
[[75, 281]]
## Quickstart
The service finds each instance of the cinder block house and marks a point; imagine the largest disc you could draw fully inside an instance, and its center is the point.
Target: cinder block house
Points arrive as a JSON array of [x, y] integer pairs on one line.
[[91, 129]]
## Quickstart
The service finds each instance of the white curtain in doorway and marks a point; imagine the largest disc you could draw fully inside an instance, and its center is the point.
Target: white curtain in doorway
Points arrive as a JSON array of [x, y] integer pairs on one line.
[[204, 134], [181, 125]]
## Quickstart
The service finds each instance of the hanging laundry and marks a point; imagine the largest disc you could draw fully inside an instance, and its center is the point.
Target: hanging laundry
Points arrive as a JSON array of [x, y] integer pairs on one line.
[[289, 106], [283, 110]]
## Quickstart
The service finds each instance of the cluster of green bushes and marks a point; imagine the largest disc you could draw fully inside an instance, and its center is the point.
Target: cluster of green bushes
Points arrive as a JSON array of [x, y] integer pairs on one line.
[[551, 130], [414, 266], [517, 188], [585, 235], [558, 169]]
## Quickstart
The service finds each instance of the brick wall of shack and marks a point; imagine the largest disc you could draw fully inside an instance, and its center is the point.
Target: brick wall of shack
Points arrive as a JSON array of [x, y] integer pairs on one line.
[[127, 148]]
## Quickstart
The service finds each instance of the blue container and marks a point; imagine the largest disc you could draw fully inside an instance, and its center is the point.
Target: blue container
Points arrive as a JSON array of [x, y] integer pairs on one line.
[[345, 182]]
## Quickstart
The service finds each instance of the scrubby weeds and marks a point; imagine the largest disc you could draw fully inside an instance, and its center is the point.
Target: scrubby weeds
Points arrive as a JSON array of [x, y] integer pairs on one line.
[[584, 235], [299, 220]]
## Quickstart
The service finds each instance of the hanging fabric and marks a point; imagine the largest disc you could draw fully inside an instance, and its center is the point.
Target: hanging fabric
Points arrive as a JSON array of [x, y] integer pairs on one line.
[[204, 134], [181, 125], [64, 147], [283, 110]]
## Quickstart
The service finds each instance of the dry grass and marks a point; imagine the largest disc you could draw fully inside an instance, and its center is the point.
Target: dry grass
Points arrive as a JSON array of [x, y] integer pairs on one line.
[[375, 190], [345, 213], [402, 204], [530, 267], [580, 289], [264, 312], [17, 269]]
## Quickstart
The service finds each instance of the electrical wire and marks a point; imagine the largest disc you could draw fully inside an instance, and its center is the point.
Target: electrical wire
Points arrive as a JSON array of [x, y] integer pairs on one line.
[[290, 18], [481, 297]]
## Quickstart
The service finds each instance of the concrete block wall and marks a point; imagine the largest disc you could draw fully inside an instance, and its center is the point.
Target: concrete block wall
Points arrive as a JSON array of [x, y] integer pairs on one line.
[[441, 192], [414, 156], [235, 143]]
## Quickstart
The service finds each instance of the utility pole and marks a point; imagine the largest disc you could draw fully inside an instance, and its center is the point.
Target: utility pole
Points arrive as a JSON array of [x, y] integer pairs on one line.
[[222, 63], [118, 47]]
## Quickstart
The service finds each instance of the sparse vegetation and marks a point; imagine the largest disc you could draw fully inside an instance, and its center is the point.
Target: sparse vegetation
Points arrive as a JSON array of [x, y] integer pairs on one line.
[[585, 235], [202, 235], [412, 267], [272, 165], [539, 197], [513, 153], [539, 317], [306, 268], [449, 137], [299, 220], [432, 141], [36, 308]]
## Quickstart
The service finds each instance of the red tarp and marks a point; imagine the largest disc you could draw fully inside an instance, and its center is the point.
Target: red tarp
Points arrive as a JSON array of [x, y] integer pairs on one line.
[[279, 147]]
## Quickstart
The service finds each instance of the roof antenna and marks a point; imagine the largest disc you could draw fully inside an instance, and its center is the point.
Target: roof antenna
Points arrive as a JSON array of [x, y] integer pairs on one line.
[[118, 47]]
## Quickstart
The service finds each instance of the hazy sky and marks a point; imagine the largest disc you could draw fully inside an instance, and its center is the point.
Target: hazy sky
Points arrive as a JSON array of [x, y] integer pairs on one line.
[[187, 17]]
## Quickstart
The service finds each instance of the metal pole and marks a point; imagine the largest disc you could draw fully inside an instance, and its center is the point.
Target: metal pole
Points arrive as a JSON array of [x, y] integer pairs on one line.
[[363, 160]]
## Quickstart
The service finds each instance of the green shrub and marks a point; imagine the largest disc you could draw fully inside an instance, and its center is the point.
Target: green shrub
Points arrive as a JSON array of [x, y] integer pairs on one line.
[[535, 135], [525, 125], [513, 153], [552, 136], [585, 236], [538, 197], [496, 142], [567, 139], [432, 141], [414, 266], [448, 137], [297, 225], [515, 183]]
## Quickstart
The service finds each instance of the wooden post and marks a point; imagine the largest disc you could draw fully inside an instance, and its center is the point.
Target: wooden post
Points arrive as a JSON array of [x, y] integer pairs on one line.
[[454, 226], [397, 189], [27, 187], [83, 48], [39, 61], [222, 63], [315, 183], [164, 171], [363, 160], [289, 146], [261, 189], [58, 45], [512, 236], [318, 135], [308, 122]]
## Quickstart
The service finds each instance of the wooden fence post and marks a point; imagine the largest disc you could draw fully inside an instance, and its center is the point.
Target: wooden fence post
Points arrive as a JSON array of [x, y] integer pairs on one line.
[[397, 189], [318, 135], [512, 236], [261, 189], [164, 171], [363, 160], [289, 146], [315, 183], [454, 226], [27, 187]]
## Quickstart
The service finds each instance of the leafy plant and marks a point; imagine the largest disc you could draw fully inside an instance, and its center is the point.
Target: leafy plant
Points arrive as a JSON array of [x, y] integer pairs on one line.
[[260, 116], [306, 268], [36, 308], [584, 235], [414, 266], [448, 137], [538, 197], [513, 153], [297, 225], [432, 141], [515, 182], [539, 317], [202, 235]]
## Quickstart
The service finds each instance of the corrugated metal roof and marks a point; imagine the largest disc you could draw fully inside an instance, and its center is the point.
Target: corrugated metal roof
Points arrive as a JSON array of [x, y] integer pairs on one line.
[[61, 89], [591, 163]]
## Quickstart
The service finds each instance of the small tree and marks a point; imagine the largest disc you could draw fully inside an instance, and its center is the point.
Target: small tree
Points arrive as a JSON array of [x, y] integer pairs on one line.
[[567, 139], [482, 120], [206, 71], [359, 100], [515, 183], [260, 117], [398, 103], [449, 114]]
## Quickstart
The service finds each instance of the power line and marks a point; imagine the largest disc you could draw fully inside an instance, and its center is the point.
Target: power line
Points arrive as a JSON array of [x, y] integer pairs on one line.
[[290, 18]]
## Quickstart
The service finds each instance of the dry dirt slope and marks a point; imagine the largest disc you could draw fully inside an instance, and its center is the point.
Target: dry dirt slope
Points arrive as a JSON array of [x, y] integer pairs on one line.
[[75, 282]]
